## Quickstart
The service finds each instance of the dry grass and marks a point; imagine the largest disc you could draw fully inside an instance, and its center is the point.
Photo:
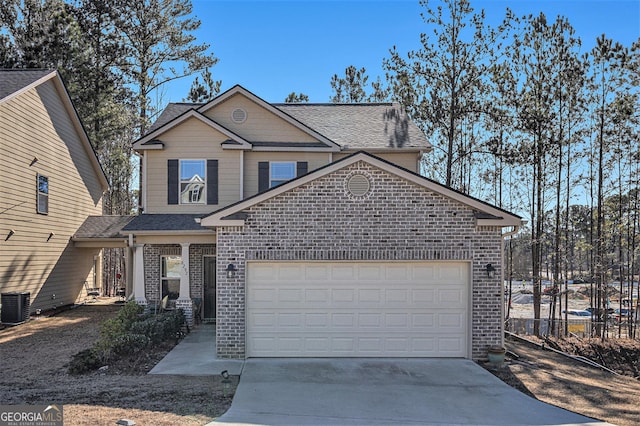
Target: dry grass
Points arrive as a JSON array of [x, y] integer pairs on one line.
[[35, 357], [572, 385]]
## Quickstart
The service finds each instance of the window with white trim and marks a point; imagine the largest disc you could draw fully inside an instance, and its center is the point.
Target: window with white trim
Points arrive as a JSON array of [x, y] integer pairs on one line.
[[192, 181], [281, 172], [43, 194], [170, 276]]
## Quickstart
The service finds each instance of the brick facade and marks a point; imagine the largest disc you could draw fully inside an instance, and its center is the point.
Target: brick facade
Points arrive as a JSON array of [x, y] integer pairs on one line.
[[395, 220], [152, 272]]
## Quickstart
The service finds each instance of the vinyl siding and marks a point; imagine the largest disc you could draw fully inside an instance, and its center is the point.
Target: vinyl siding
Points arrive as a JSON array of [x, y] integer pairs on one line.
[[191, 140], [251, 159], [260, 126], [37, 124]]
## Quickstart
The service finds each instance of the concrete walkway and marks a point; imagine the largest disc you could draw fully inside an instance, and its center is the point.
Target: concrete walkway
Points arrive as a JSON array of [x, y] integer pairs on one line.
[[195, 355], [362, 391]]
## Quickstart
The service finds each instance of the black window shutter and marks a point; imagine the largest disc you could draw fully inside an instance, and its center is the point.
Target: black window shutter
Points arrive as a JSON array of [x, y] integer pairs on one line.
[[263, 176], [172, 182], [301, 168], [212, 181]]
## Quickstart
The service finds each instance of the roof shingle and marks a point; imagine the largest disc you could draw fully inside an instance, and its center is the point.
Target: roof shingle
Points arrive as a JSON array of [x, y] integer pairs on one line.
[[103, 227], [12, 80], [352, 126], [165, 222]]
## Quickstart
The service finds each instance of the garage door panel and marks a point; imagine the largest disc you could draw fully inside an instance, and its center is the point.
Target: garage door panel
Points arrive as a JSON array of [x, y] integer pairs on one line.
[[357, 309], [343, 295], [343, 272], [369, 297], [317, 297]]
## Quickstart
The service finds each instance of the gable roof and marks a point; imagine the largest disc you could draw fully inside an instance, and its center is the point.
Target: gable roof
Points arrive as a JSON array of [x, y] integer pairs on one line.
[[17, 81], [352, 127], [486, 214], [148, 142], [237, 89]]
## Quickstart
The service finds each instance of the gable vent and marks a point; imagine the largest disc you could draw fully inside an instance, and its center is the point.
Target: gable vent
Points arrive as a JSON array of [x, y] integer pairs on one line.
[[239, 115], [358, 185]]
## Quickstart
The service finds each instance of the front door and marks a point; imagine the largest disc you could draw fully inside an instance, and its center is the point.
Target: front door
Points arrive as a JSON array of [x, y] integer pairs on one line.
[[209, 313]]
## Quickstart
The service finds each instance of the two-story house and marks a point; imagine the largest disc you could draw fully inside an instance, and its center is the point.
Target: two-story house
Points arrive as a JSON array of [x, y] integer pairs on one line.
[[50, 181], [306, 230]]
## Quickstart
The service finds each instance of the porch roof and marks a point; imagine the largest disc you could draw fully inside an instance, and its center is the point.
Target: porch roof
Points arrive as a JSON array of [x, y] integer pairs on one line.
[[164, 222]]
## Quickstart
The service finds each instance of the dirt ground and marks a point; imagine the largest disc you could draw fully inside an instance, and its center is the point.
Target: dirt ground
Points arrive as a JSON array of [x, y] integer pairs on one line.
[[35, 357], [572, 385]]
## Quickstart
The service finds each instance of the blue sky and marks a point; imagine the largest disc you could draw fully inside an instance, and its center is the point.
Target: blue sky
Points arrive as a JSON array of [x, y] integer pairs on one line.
[[275, 47]]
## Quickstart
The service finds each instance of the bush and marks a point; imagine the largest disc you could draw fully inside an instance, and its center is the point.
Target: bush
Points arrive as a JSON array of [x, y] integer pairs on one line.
[[160, 328], [129, 333], [84, 362]]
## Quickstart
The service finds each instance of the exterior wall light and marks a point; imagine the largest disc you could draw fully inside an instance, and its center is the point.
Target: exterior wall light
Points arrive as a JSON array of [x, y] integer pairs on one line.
[[491, 271], [231, 270]]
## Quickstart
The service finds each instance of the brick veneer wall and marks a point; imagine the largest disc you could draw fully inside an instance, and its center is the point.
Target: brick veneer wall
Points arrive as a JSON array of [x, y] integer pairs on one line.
[[395, 220], [152, 255]]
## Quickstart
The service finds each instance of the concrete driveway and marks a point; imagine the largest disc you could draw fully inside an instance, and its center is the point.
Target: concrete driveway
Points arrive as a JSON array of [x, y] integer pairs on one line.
[[383, 391]]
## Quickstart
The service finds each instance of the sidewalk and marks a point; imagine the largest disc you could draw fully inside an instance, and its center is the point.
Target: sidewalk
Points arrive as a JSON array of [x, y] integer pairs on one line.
[[195, 355]]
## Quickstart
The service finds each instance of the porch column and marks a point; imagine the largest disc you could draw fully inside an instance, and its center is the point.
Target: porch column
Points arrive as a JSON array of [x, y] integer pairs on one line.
[[138, 274], [184, 300], [128, 267], [184, 273]]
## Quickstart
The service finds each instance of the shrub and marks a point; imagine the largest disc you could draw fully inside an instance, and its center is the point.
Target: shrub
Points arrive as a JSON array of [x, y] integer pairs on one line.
[[127, 334], [84, 362]]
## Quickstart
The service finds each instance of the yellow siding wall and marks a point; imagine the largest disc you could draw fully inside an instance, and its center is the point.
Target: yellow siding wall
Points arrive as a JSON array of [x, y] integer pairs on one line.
[[36, 124], [191, 140], [260, 125]]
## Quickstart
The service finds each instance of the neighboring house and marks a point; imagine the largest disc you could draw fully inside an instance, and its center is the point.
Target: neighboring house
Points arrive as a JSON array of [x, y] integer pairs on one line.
[[50, 181], [306, 230]]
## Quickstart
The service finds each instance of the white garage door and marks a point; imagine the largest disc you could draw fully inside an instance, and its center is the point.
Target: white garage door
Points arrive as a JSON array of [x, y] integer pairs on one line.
[[357, 309]]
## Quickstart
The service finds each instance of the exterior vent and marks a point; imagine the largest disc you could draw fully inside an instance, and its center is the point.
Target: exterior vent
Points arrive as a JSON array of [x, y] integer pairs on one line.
[[358, 185], [239, 115]]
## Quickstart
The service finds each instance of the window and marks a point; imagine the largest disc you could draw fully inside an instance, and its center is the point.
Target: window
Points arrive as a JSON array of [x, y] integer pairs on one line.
[[192, 181], [43, 194], [170, 276], [280, 172]]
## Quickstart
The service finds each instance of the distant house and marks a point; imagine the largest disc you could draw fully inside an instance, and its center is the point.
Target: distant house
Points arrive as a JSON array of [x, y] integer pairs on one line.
[[50, 181], [306, 230]]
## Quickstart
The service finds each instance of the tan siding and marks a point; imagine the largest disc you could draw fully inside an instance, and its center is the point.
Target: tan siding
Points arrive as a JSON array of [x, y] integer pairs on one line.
[[191, 140], [260, 125], [36, 124], [251, 160], [407, 160]]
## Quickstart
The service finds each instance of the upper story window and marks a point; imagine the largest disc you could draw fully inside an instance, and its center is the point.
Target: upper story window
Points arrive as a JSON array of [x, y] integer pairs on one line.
[[274, 173], [281, 172], [192, 181], [43, 194]]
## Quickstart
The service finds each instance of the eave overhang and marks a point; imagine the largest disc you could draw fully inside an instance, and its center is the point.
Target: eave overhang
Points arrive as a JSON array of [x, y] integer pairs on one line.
[[151, 141], [489, 215]]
